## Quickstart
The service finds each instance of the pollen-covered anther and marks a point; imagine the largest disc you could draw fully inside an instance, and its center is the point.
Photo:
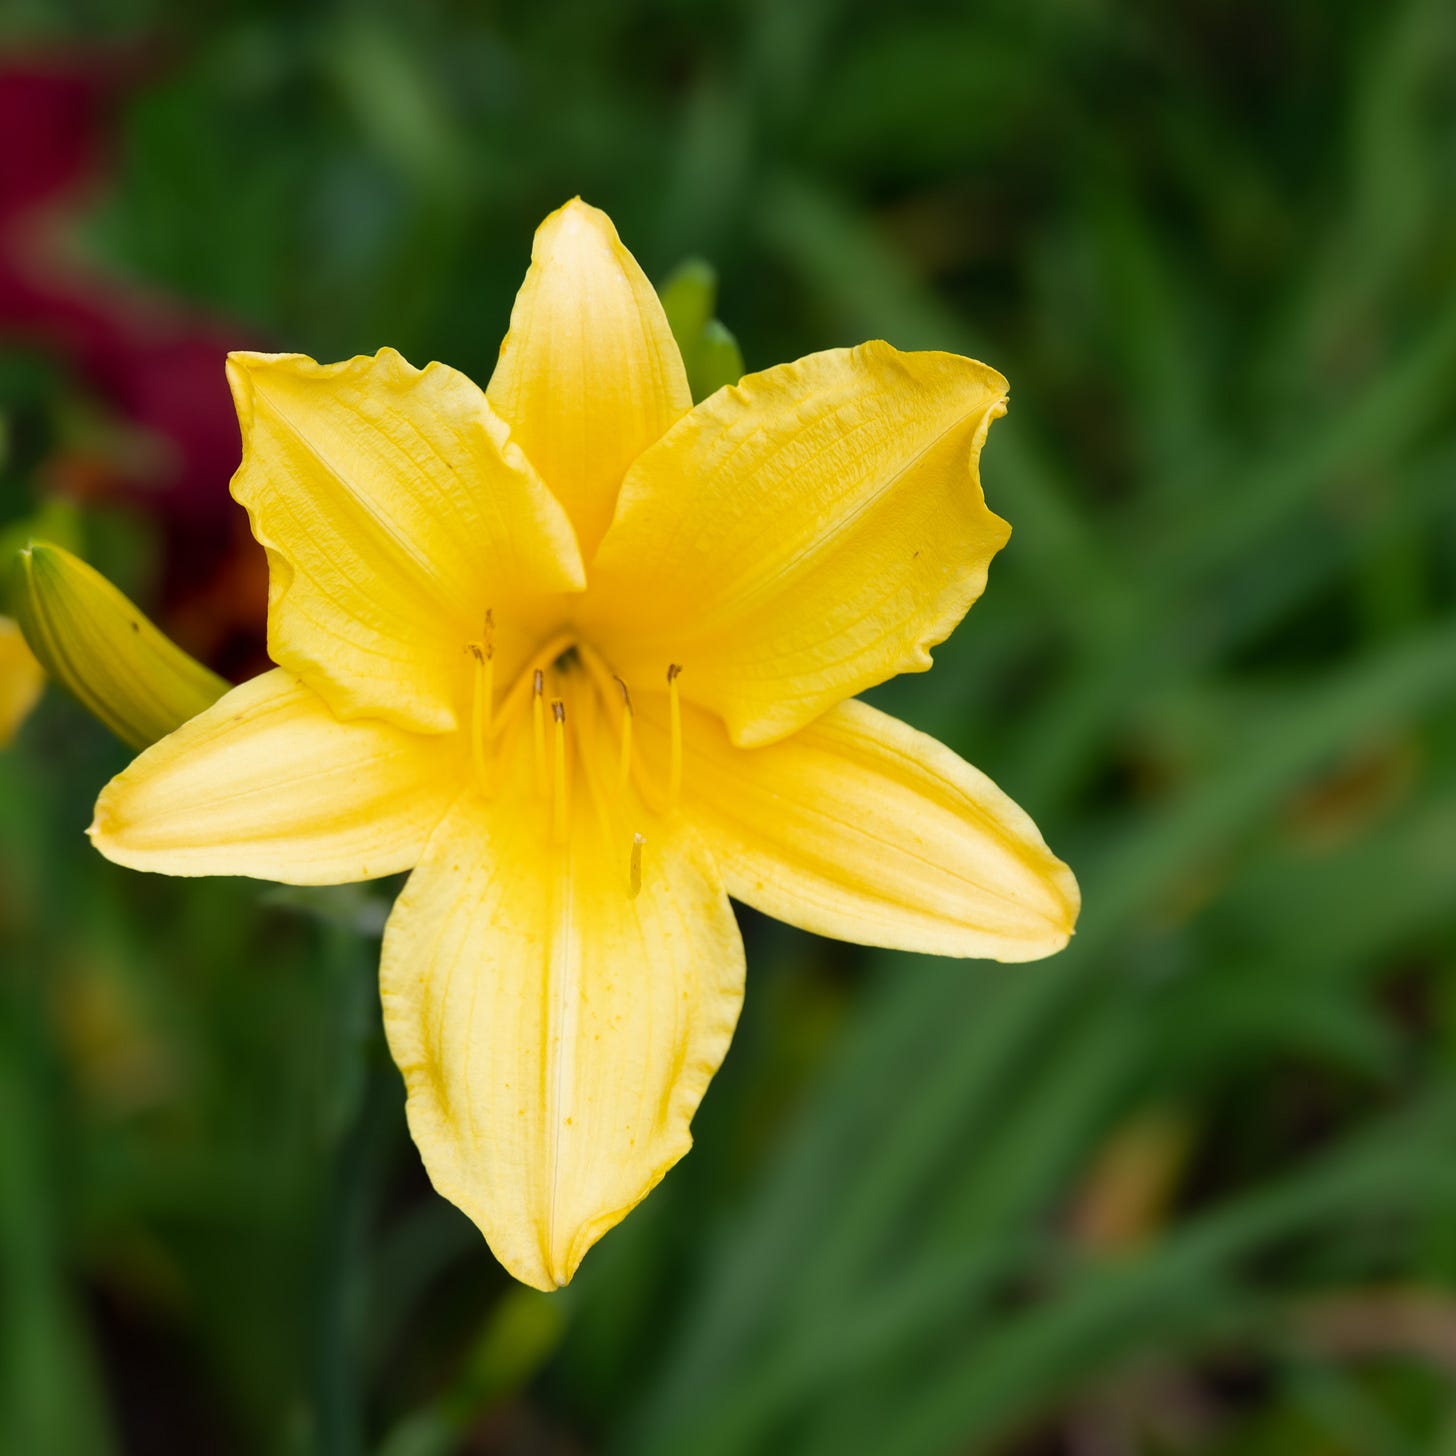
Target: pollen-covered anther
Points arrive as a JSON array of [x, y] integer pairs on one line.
[[674, 770], [559, 806]]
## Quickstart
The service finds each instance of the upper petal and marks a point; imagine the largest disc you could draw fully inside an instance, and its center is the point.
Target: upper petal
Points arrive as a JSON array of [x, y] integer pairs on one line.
[[804, 535], [269, 783], [556, 1032], [589, 374], [395, 513], [21, 680], [864, 829]]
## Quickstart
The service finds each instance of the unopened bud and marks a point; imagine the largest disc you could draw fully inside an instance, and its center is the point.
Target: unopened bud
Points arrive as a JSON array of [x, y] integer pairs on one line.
[[710, 353], [97, 644], [719, 361]]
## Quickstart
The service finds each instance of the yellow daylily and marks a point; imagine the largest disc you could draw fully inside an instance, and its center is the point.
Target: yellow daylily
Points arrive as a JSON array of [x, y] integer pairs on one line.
[[21, 680], [580, 655]]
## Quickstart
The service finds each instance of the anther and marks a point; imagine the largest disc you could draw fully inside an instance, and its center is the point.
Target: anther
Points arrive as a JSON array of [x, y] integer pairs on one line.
[[558, 771], [634, 872], [624, 758], [538, 726], [674, 773]]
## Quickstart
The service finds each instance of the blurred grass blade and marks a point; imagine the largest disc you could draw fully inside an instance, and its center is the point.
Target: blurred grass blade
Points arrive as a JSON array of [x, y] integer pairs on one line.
[[846, 1322], [1159, 1295], [1379, 691], [97, 644], [519, 1335], [51, 1392], [1366, 429]]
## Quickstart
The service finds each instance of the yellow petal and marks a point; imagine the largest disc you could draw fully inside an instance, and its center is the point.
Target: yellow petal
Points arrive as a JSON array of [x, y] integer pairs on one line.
[[864, 829], [395, 513], [98, 645], [21, 680], [589, 374], [269, 783], [555, 1032], [803, 536]]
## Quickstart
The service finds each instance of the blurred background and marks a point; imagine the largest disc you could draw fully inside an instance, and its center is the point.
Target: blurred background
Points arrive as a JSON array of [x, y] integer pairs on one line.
[[1188, 1188]]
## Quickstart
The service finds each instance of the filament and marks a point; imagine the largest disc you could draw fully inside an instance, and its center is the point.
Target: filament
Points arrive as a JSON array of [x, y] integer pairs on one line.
[[487, 645], [558, 770], [674, 773], [538, 726], [624, 757]]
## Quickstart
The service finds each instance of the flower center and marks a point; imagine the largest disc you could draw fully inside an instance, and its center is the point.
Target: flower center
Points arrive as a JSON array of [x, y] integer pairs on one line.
[[561, 734]]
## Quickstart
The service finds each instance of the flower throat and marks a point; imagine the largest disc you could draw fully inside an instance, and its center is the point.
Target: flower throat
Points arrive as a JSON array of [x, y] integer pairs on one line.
[[579, 718]]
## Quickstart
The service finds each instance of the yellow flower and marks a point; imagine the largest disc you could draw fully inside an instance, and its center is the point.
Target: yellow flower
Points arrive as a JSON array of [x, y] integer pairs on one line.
[[21, 680], [580, 656]]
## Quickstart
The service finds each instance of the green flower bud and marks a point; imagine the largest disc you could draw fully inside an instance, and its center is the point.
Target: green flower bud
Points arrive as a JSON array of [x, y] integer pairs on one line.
[[97, 644], [710, 353]]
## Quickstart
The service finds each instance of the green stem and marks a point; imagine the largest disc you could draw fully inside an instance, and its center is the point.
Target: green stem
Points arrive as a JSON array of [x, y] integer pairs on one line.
[[357, 1118]]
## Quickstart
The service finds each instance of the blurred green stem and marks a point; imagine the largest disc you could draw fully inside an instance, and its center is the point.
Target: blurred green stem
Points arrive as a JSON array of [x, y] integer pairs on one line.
[[355, 1125], [51, 1395]]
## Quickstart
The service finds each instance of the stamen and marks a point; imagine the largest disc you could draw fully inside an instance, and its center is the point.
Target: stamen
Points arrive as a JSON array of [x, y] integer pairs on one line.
[[674, 773], [624, 758], [634, 873], [482, 702], [480, 710], [538, 726], [558, 771]]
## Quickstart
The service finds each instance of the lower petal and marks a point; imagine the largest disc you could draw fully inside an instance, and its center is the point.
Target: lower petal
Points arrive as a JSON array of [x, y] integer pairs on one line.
[[269, 783], [555, 1030], [861, 828]]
